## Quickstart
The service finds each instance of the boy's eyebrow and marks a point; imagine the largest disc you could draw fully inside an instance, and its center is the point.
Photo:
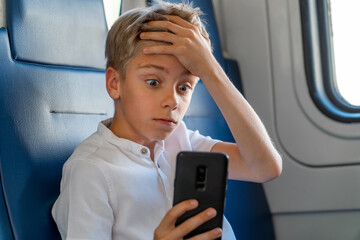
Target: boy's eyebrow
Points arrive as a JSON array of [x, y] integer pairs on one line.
[[151, 65]]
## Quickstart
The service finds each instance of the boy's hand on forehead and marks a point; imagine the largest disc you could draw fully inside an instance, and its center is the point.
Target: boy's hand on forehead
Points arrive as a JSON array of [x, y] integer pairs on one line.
[[188, 45]]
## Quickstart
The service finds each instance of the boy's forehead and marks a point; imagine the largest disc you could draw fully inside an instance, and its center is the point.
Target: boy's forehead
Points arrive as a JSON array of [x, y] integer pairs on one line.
[[149, 63], [162, 62]]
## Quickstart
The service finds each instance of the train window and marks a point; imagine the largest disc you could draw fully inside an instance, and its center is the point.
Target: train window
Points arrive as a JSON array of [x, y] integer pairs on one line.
[[331, 50], [112, 11], [346, 39]]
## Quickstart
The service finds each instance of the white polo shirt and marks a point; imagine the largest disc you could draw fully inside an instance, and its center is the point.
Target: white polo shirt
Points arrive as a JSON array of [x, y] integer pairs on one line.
[[111, 189]]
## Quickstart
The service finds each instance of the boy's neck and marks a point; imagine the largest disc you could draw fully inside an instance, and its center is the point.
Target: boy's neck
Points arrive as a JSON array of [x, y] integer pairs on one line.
[[121, 133]]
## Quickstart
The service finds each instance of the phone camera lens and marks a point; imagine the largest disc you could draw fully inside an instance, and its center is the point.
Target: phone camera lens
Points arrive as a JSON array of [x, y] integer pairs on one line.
[[201, 174]]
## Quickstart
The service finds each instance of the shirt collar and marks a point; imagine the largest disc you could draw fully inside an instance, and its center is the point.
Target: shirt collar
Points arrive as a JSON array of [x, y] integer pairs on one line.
[[128, 145]]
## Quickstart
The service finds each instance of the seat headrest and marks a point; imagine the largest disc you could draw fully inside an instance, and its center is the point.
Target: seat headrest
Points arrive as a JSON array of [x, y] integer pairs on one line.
[[65, 33]]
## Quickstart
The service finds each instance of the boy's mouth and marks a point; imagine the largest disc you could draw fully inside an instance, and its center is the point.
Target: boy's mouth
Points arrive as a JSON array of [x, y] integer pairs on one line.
[[166, 121]]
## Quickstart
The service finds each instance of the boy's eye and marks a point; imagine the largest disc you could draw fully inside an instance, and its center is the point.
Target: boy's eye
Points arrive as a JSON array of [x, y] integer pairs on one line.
[[184, 88], [152, 82]]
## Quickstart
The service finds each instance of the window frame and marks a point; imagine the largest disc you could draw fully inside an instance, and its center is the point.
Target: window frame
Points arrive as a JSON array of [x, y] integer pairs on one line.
[[319, 62]]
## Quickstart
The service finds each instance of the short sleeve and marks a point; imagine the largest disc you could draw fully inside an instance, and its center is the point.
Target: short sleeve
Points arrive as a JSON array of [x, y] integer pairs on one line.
[[199, 142], [83, 209]]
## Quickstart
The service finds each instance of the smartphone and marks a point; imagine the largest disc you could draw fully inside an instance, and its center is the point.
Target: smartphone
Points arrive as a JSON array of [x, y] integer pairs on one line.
[[201, 176]]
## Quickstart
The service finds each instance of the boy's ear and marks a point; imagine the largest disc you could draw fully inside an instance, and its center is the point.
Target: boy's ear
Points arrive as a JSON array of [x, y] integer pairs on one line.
[[113, 80]]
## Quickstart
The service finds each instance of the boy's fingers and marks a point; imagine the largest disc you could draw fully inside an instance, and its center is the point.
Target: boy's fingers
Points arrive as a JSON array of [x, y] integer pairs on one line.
[[172, 27], [158, 36], [174, 213], [181, 22], [192, 223], [212, 234], [176, 25], [159, 49]]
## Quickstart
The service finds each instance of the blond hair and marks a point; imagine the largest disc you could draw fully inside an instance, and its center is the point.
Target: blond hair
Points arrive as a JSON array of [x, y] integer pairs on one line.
[[123, 42]]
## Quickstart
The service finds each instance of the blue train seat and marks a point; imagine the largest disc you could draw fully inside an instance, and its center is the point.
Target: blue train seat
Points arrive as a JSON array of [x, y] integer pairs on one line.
[[52, 96], [246, 207], [5, 229]]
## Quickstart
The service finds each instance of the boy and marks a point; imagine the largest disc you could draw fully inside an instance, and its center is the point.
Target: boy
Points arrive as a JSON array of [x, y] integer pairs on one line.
[[118, 184]]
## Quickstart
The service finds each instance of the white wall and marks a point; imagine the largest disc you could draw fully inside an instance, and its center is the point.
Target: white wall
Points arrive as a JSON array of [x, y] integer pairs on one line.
[[112, 11], [130, 4], [318, 194], [112, 8], [2, 14]]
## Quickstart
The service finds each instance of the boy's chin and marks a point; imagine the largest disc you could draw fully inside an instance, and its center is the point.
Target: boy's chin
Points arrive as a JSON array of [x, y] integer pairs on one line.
[[163, 135]]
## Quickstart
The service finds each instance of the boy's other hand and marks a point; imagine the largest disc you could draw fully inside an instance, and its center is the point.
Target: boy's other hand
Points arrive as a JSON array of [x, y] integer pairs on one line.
[[167, 230], [188, 45]]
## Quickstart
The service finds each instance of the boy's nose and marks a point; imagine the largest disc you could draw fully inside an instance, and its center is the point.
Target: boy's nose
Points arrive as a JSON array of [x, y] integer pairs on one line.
[[171, 100]]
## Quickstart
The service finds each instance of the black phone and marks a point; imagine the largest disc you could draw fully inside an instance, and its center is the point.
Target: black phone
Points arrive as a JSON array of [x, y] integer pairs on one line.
[[201, 176]]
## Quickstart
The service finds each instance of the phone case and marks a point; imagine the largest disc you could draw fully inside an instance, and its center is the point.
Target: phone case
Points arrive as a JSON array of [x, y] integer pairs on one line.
[[201, 176]]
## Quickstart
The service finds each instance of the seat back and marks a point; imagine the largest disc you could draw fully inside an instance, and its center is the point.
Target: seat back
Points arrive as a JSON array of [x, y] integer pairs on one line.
[[52, 96], [5, 228], [246, 206]]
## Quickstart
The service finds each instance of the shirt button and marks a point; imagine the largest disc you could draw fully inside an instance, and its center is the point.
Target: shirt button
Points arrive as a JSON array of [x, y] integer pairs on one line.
[[144, 151]]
